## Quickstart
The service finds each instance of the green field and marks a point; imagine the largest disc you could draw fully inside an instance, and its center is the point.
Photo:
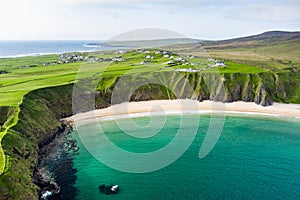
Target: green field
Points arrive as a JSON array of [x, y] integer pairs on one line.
[[18, 82]]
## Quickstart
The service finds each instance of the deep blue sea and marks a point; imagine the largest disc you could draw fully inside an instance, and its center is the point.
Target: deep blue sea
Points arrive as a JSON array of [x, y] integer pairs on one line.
[[35, 48], [254, 158]]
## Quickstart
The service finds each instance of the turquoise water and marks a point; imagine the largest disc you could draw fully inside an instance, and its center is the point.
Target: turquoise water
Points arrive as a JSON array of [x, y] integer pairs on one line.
[[254, 158]]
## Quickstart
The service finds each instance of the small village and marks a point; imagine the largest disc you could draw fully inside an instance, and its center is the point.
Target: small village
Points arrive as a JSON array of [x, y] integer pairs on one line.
[[150, 57], [175, 61]]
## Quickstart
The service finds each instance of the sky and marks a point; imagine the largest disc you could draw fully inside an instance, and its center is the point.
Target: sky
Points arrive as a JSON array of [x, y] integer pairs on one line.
[[103, 19]]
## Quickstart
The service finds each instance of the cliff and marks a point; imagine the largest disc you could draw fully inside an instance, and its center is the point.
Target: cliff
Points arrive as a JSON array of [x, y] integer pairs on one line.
[[41, 110]]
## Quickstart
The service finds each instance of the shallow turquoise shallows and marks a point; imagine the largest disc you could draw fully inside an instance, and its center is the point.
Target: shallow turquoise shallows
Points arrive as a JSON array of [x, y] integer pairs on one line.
[[254, 158]]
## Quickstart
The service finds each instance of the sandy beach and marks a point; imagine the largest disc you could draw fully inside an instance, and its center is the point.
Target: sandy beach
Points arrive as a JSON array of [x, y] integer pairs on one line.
[[133, 109]]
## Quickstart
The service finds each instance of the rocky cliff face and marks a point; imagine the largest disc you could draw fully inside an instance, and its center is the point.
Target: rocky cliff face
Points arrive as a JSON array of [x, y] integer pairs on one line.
[[41, 110], [234, 87], [263, 88]]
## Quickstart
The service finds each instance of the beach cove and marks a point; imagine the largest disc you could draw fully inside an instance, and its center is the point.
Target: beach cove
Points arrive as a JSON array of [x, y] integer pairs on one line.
[[255, 157], [177, 106]]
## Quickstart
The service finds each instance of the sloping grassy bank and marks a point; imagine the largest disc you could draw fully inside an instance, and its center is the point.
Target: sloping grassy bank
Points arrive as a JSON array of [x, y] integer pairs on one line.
[[8, 118], [38, 123]]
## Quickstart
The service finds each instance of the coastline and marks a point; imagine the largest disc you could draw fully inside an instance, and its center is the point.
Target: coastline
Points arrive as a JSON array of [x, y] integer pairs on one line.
[[55, 165], [44, 54], [161, 107], [44, 48], [143, 108]]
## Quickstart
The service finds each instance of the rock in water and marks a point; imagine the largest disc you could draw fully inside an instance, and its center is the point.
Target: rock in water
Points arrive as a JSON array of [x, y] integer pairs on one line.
[[108, 190]]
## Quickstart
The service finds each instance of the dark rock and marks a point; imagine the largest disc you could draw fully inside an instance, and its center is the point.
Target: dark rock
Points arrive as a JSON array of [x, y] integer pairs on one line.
[[3, 72], [108, 189], [16, 151], [53, 186], [26, 156], [75, 149], [73, 143]]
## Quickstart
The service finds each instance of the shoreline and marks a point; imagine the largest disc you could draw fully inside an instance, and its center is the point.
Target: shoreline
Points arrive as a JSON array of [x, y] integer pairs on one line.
[[162, 107], [50, 169], [46, 54]]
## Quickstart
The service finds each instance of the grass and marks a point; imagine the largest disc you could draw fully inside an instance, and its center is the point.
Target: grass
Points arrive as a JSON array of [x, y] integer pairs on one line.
[[17, 83], [11, 121], [276, 57], [2, 155], [15, 63], [232, 67], [270, 53]]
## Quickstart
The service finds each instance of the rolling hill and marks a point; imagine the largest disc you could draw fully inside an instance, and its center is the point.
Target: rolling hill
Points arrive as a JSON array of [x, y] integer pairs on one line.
[[275, 50]]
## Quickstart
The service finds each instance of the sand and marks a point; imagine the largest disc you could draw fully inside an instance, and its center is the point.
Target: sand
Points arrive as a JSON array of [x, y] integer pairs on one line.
[[134, 109]]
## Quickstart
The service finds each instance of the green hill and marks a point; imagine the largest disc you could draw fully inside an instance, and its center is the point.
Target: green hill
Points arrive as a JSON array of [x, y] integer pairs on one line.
[[274, 50]]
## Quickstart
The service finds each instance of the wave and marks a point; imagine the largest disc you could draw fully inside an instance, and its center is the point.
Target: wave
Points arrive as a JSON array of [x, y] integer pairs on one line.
[[98, 45], [92, 45]]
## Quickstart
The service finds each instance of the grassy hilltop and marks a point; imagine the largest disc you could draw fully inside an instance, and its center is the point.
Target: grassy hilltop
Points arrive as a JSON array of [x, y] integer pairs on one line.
[[37, 91]]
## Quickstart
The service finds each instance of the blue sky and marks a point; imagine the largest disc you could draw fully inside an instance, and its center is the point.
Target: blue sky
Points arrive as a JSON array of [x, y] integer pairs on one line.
[[103, 19]]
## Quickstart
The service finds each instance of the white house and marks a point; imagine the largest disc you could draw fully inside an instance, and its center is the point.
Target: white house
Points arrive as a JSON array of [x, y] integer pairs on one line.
[[220, 64], [149, 57]]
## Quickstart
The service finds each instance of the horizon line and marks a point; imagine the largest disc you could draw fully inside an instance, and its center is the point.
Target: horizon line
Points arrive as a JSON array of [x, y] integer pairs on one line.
[[193, 38]]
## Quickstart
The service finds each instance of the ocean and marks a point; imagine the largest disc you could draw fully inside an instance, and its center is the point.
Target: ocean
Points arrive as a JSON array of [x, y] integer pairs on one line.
[[254, 158], [36, 48]]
